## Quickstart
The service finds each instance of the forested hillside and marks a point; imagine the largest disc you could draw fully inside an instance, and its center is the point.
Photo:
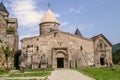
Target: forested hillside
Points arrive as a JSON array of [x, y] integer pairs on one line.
[[116, 53], [116, 47]]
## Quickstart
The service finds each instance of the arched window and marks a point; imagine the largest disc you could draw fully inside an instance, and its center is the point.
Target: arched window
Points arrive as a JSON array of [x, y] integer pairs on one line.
[[101, 45]]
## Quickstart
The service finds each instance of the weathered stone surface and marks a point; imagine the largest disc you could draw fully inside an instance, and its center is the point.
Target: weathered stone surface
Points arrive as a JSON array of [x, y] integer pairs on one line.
[[6, 39], [61, 49]]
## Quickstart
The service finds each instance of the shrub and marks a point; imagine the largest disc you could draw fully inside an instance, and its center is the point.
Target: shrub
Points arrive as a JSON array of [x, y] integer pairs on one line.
[[10, 29]]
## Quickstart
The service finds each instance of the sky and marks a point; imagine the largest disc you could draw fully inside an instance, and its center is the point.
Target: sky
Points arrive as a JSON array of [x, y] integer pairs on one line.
[[91, 17]]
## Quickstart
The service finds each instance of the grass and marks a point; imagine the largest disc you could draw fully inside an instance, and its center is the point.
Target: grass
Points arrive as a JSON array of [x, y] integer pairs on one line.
[[31, 73], [102, 73], [37, 70], [26, 79], [2, 71], [36, 74]]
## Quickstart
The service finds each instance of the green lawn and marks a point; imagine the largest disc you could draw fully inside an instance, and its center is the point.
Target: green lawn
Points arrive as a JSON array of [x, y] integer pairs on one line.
[[31, 73], [37, 70], [102, 73], [3, 71]]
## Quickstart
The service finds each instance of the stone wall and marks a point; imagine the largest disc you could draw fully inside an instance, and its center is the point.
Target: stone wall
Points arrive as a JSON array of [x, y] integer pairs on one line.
[[8, 39], [102, 49], [47, 27], [79, 49], [2, 56]]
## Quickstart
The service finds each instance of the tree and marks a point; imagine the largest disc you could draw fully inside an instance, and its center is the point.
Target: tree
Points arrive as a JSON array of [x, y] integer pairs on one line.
[[116, 57], [8, 51]]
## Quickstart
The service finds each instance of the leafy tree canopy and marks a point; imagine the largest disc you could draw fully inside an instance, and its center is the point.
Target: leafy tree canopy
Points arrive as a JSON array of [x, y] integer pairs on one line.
[[116, 57]]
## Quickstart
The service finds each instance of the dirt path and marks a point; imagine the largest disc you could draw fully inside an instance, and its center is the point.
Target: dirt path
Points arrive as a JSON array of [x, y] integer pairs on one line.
[[68, 74]]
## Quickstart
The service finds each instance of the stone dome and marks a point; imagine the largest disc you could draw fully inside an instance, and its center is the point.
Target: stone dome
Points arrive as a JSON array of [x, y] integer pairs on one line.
[[49, 17]]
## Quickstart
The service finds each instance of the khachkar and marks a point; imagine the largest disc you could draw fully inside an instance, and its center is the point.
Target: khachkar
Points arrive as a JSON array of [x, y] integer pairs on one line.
[[8, 38]]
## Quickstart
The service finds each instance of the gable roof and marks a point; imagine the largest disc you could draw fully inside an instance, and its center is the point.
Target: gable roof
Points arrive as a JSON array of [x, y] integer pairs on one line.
[[3, 8], [77, 32], [95, 37]]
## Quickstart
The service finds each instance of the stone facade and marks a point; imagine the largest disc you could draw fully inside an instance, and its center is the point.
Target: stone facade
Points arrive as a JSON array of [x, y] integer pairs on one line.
[[102, 50], [58, 49], [2, 57], [7, 37]]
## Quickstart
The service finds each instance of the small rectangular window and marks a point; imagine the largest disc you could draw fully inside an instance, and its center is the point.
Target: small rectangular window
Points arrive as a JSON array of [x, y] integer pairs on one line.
[[37, 48]]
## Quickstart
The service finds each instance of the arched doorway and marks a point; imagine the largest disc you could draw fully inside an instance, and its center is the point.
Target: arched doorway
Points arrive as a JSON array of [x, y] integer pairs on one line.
[[102, 59], [60, 62], [16, 59], [60, 59]]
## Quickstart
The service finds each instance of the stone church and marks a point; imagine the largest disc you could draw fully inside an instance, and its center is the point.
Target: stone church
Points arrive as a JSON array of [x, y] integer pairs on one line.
[[8, 35], [57, 49]]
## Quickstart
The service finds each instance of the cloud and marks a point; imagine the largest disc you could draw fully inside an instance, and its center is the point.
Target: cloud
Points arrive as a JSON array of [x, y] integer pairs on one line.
[[64, 24], [77, 10], [29, 15], [57, 15], [26, 12], [67, 27]]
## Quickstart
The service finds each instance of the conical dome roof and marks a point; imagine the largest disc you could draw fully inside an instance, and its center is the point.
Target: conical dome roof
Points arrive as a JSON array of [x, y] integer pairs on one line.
[[3, 8], [77, 32], [49, 17]]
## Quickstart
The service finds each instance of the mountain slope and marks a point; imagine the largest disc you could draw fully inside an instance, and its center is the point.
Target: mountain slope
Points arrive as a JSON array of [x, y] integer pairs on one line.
[[116, 47]]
